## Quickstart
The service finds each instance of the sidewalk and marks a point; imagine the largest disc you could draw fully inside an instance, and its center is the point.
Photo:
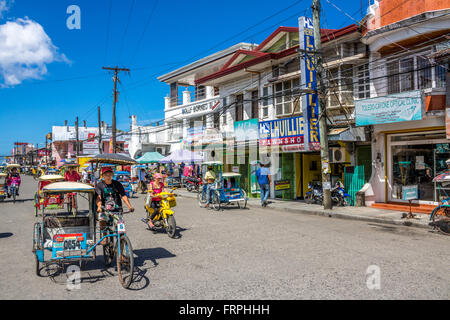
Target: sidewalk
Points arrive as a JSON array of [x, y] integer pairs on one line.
[[353, 213]]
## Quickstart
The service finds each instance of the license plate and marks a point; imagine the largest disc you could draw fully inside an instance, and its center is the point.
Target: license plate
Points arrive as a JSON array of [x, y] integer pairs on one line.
[[52, 201], [72, 244], [121, 228]]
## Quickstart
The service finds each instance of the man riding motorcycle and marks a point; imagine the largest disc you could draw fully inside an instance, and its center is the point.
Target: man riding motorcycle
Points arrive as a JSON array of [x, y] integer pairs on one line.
[[155, 187], [13, 176]]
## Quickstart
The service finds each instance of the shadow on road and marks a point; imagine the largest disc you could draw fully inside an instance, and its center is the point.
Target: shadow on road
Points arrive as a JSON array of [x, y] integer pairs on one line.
[[152, 254], [18, 200], [5, 235]]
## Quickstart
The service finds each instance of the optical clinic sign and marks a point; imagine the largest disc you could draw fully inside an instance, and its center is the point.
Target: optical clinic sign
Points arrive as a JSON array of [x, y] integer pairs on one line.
[[399, 107], [199, 107], [281, 132]]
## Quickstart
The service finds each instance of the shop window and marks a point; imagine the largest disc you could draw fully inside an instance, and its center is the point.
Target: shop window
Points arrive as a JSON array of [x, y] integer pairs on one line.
[[440, 72], [340, 84], [200, 93], [407, 74]]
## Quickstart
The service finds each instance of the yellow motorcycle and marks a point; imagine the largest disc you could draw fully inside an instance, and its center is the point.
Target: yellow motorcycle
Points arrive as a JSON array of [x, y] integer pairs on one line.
[[164, 217]]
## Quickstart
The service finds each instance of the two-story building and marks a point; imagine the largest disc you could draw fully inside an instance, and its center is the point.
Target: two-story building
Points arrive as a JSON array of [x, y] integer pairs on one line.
[[406, 112]]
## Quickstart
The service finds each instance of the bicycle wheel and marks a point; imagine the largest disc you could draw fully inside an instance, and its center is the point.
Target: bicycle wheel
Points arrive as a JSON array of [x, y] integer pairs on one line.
[[14, 191], [201, 199], [108, 253], [243, 203], [125, 261], [216, 200], [441, 219]]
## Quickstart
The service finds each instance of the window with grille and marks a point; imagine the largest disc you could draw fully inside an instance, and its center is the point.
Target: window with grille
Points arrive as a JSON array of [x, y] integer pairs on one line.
[[265, 102], [239, 115], [363, 81], [286, 94], [200, 93], [340, 85], [255, 104]]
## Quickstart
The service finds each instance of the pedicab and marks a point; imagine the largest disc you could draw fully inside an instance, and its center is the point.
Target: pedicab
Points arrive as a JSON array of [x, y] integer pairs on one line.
[[52, 202], [13, 188], [440, 216], [62, 238], [225, 191], [2, 187], [124, 177]]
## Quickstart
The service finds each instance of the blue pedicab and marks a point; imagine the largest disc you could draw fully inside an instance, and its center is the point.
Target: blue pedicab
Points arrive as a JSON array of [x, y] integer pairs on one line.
[[124, 177], [62, 238], [225, 191]]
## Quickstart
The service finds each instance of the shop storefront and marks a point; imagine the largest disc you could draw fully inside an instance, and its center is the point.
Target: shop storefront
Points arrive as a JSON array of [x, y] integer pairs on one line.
[[414, 159]]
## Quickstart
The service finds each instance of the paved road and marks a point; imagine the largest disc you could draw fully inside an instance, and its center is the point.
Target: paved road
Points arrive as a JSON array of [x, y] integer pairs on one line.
[[239, 254]]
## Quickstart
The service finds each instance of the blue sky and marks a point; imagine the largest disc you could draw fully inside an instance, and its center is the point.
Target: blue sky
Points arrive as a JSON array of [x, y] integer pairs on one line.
[[71, 80]]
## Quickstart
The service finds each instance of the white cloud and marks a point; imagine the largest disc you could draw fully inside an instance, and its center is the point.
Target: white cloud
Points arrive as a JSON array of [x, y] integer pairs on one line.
[[25, 51], [4, 6]]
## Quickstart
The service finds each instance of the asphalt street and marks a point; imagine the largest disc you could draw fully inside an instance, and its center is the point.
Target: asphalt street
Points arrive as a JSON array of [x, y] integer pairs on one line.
[[238, 254]]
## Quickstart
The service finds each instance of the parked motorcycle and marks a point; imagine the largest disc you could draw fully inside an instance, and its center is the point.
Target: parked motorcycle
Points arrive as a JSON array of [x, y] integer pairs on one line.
[[193, 184], [315, 195], [339, 196]]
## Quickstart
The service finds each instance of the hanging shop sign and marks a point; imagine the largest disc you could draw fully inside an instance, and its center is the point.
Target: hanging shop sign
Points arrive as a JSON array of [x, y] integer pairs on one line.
[[246, 130], [308, 80], [405, 106], [90, 146], [282, 185], [201, 107]]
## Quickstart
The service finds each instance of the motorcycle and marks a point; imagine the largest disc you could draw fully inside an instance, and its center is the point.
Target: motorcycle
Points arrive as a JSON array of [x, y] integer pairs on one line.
[[315, 195], [339, 196], [13, 189], [164, 218], [193, 184]]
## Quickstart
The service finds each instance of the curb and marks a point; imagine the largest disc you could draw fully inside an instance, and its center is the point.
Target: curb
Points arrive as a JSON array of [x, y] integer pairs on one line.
[[331, 214]]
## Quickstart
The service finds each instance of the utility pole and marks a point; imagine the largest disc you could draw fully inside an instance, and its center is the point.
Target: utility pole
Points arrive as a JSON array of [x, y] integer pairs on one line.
[[115, 96], [78, 142], [99, 132], [323, 127]]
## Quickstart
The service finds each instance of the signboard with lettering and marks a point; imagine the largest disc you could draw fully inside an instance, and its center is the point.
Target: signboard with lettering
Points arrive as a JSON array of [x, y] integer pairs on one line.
[[246, 130], [196, 108], [308, 80], [410, 192], [282, 185], [405, 106]]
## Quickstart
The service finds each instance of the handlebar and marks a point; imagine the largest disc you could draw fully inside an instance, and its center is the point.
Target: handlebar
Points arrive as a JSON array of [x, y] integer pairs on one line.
[[120, 211]]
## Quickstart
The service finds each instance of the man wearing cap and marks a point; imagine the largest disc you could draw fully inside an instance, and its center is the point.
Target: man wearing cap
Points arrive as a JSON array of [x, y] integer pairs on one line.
[[210, 178], [110, 194]]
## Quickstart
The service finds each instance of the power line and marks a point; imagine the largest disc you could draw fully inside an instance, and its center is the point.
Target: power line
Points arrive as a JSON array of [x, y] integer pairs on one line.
[[126, 30]]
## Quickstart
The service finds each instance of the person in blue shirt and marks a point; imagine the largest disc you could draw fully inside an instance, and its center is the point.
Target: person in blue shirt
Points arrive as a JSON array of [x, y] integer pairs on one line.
[[264, 181]]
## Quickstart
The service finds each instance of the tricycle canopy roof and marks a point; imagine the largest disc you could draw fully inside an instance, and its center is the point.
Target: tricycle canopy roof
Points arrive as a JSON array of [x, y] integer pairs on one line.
[[114, 159], [230, 174], [212, 163], [51, 177], [71, 165], [14, 165], [125, 173], [3, 175], [68, 187], [150, 157], [443, 177]]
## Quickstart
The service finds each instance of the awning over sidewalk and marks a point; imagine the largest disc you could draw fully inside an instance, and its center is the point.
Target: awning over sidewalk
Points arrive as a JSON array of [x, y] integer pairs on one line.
[[349, 134]]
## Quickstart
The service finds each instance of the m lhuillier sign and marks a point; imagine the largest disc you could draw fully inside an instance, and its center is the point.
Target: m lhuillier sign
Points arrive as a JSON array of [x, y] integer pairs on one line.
[[308, 80]]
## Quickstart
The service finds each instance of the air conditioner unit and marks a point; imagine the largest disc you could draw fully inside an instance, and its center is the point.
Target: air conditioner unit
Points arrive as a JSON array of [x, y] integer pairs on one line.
[[337, 155]]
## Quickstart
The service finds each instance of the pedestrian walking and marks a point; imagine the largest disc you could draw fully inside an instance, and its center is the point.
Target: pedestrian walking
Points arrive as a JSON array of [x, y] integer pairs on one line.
[[264, 181]]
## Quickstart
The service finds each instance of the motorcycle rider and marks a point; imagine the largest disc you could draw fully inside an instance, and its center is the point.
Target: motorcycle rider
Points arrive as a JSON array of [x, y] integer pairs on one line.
[[155, 187], [12, 176]]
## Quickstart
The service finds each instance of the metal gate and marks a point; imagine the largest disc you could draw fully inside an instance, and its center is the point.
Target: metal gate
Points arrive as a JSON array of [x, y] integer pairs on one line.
[[354, 180]]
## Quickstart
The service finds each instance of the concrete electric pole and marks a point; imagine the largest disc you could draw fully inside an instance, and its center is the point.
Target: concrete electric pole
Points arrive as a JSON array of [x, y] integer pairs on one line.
[[99, 132], [323, 127], [115, 96]]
